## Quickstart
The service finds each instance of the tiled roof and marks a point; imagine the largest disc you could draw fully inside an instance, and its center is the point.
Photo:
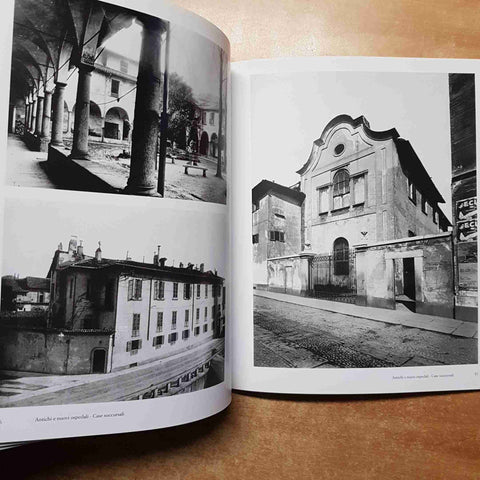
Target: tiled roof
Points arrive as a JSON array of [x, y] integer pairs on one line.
[[104, 263]]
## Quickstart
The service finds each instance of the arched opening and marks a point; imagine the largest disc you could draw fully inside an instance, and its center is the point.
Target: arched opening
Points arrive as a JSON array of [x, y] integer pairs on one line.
[[341, 189], [341, 257], [117, 125], [204, 144], [95, 122], [213, 145], [99, 360]]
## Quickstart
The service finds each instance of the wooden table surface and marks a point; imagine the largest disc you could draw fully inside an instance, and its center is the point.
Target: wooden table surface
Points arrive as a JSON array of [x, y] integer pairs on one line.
[[426, 436]]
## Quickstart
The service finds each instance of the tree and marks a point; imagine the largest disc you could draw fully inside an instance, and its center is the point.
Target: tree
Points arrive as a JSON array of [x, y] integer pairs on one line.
[[181, 107]]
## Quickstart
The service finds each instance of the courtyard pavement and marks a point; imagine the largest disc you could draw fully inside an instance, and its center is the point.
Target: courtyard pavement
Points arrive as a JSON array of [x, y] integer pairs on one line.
[[300, 334], [28, 169]]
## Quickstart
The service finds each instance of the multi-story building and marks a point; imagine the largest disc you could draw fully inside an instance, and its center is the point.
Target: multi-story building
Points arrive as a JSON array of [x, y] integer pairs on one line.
[[276, 225], [112, 98], [27, 294], [363, 186], [371, 227], [107, 315]]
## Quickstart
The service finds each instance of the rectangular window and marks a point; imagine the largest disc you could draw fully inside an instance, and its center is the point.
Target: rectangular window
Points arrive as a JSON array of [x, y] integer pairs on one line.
[[159, 290], [135, 289], [159, 321], [172, 338], [115, 88], [123, 66], [187, 318], [206, 291], [424, 204], [136, 325], [197, 316], [158, 341], [359, 189], [276, 236], [187, 291], [197, 331], [412, 192], [70, 294], [133, 346], [175, 291], [255, 238], [204, 118], [198, 291], [213, 311], [185, 334], [212, 118], [205, 328], [206, 313], [323, 200], [174, 320]]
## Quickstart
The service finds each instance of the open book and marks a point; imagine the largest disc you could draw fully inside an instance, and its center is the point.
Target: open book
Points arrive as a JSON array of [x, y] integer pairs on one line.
[[174, 226]]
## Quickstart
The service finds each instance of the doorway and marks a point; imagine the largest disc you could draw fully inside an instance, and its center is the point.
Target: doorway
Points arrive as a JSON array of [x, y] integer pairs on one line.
[[99, 361], [405, 284]]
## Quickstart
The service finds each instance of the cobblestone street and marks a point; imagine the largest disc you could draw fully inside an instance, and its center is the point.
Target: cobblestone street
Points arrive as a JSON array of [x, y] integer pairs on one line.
[[297, 336]]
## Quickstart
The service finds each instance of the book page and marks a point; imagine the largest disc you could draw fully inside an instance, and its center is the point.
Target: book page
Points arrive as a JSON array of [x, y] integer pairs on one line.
[[355, 220], [114, 218]]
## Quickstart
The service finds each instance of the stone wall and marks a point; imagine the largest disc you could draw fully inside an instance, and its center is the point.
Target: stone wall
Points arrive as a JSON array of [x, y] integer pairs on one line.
[[290, 274], [54, 353], [377, 273]]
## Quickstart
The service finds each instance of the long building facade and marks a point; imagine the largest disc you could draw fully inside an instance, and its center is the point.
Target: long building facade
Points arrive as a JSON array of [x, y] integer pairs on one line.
[[107, 315]]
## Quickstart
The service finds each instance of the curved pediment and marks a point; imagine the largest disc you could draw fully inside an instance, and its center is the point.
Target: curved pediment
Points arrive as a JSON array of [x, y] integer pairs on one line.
[[341, 135]]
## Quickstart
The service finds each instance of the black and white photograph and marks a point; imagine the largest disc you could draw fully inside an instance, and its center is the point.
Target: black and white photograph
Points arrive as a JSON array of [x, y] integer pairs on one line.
[[364, 223], [101, 304], [106, 99]]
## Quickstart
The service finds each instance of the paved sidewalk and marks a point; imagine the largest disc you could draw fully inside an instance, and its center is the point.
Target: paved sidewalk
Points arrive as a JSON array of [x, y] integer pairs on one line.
[[395, 317]]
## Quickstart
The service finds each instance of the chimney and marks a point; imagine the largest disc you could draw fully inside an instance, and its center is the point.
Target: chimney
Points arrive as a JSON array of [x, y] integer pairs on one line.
[[60, 246], [162, 261], [180, 265], [72, 244], [202, 267], [80, 250], [98, 253], [155, 259]]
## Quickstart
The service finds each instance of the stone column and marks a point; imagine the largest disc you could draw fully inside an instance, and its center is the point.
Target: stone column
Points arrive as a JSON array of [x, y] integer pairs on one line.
[[142, 179], [82, 113], [39, 121], [57, 114], [13, 114], [47, 108], [33, 115], [27, 114]]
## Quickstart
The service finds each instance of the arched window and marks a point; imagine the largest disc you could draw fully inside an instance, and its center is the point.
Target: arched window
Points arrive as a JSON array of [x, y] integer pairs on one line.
[[341, 257], [341, 189]]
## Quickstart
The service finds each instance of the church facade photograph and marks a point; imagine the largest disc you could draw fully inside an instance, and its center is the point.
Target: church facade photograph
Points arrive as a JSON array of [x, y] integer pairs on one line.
[[363, 261]]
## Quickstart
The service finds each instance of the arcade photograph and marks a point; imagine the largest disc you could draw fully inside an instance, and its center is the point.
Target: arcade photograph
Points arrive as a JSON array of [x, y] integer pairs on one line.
[[115, 101]]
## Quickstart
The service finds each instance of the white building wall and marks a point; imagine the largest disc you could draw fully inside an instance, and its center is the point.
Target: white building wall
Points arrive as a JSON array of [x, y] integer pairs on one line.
[[148, 308]]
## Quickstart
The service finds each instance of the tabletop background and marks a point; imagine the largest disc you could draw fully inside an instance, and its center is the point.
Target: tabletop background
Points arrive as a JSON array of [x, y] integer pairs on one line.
[[289, 437]]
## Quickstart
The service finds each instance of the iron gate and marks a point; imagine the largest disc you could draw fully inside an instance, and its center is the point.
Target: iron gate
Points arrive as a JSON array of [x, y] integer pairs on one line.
[[333, 277]]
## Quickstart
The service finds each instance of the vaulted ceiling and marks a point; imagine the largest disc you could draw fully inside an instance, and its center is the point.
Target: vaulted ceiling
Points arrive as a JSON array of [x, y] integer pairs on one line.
[[50, 37]]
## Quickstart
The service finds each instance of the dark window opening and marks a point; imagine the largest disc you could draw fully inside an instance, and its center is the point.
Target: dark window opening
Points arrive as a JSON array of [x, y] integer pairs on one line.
[[341, 257]]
